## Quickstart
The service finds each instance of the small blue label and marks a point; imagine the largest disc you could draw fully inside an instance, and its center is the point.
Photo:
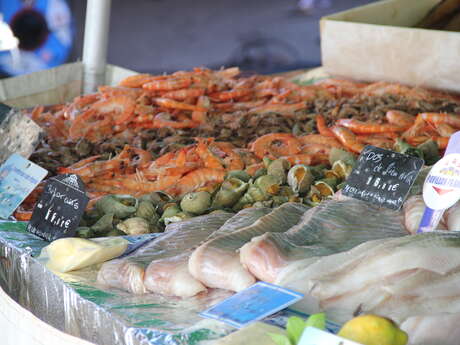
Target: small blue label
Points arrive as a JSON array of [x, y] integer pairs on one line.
[[18, 178], [252, 304]]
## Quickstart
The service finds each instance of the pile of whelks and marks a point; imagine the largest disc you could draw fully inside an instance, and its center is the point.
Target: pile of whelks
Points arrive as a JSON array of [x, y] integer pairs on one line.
[[209, 174]]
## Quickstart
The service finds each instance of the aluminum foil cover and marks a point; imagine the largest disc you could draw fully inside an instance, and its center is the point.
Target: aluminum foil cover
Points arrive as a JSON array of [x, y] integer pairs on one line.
[[18, 133], [74, 302]]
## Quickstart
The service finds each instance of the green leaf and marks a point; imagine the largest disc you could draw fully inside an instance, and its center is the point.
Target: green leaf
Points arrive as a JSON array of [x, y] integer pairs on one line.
[[279, 339], [316, 320], [294, 327]]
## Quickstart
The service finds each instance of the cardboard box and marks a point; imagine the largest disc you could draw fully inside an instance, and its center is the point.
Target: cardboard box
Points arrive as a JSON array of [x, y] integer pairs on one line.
[[377, 42]]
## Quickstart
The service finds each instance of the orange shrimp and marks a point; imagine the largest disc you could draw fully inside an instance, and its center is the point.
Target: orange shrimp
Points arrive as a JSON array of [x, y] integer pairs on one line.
[[209, 159], [400, 118], [319, 139], [143, 157], [135, 81], [164, 120], [376, 140], [442, 142], [368, 127], [251, 169], [232, 94], [198, 178], [167, 84], [37, 112], [301, 158], [322, 127], [230, 72], [132, 183], [79, 164], [444, 129], [180, 95], [347, 138], [435, 118], [232, 160], [81, 125], [275, 145], [122, 106], [415, 129], [283, 109], [169, 103], [313, 149], [201, 116]]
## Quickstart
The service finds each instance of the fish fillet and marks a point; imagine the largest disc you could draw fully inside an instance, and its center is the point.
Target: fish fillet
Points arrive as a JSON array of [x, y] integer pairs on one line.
[[216, 263], [434, 329], [397, 278], [128, 273], [329, 228], [170, 275]]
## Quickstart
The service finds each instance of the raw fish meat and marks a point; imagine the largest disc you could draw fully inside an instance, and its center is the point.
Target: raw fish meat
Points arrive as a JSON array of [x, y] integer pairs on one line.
[[435, 329], [329, 228], [216, 263], [128, 273], [397, 278], [170, 275], [414, 207]]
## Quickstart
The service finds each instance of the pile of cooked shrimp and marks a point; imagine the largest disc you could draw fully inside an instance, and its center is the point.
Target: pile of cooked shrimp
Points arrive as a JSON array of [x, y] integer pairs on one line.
[[188, 100]]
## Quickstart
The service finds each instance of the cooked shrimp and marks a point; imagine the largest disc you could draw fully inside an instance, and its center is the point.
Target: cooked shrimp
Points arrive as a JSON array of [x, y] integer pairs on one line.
[[322, 127], [274, 145], [319, 139], [360, 127], [79, 164], [400, 118], [121, 106], [442, 142], [283, 109], [232, 160], [169, 103], [435, 118], [313, 149], [232, 94], [135, 81], [251, 169], [209, 159], [198, 115], [444, 129], [301, 158], [347, 138], [167, 84], [164, 120], [130, 182], [376, 140], [198, 178], [180, 95]]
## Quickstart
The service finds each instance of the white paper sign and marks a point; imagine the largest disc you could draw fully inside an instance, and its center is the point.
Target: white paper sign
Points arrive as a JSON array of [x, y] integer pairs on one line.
[[315, 336]]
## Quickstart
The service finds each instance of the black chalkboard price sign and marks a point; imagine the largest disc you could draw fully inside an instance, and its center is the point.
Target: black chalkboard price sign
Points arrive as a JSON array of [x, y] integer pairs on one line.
[[59, 210], [382, 177]]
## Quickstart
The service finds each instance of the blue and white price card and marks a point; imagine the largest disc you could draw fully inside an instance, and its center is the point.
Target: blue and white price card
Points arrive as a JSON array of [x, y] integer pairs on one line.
[[252, 304], [18, 178], [315, 336]]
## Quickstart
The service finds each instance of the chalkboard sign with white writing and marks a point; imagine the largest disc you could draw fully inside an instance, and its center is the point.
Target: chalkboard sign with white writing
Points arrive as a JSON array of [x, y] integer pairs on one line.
[[382, 177], [59, 210]]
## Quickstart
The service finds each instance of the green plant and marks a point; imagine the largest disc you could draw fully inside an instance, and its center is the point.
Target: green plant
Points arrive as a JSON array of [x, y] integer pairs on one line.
[[295, 327]]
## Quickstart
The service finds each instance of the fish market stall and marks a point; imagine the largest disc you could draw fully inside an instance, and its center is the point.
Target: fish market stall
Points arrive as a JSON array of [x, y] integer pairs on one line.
[[167, 194]]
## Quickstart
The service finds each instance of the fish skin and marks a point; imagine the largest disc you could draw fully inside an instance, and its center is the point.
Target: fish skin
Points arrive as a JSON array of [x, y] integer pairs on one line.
[[128, 273], [216, 263], [170, 275]]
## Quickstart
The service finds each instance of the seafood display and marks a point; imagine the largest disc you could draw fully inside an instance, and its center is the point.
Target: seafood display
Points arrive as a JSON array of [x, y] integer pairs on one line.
[[185, 131], [242, 177]]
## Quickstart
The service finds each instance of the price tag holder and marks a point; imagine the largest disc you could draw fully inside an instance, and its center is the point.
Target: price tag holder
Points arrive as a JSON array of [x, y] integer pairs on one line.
[[252, 304], [315, 336], [18, 133], [382, 177], [18, 178], [59, 210]]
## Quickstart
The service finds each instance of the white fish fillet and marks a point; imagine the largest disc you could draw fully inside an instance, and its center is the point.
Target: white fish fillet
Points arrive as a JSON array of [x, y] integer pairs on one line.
[[434, 329], [216, 263], [397, 278], [329, 228], [170, 275], [128, 273]]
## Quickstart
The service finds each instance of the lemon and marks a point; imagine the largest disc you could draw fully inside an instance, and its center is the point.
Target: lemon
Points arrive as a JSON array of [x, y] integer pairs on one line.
[[373, 330]]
